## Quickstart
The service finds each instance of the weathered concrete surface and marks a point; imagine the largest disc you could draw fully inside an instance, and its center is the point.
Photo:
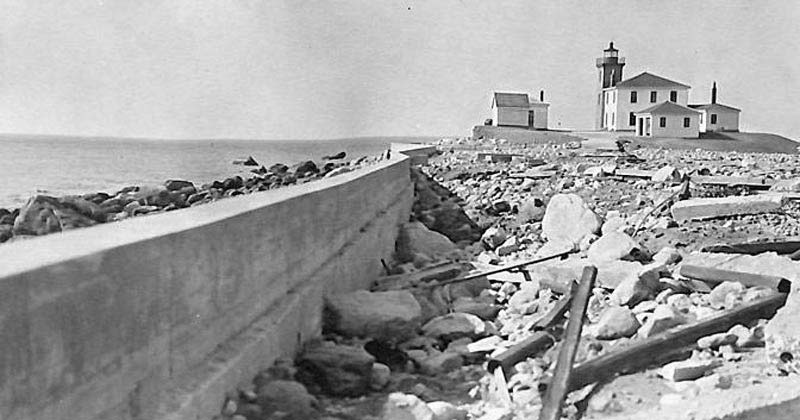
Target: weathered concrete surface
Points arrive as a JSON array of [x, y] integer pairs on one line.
[[709, 208], [419, 153], [116, 320]]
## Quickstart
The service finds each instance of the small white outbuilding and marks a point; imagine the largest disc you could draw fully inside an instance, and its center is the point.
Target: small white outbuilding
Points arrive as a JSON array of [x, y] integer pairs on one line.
[[519, 110]]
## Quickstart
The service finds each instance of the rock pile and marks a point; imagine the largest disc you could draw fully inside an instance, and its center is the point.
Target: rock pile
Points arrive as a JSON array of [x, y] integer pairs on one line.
[[43, 214], [417, 344]]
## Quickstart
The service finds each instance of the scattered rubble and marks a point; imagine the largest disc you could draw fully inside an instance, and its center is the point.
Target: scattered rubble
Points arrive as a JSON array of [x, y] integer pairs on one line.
[[470, 320]]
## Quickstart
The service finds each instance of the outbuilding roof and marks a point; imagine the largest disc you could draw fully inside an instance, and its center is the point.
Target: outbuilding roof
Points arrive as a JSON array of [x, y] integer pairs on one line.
[[650, 80], [505, 99], [712, 106], [668, 108]]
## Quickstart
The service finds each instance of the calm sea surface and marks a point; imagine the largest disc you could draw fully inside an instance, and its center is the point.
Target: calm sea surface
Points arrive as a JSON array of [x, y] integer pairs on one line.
[[74, 165]]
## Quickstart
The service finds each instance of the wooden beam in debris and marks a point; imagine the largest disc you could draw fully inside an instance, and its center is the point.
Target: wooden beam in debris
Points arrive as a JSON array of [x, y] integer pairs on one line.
[[716, 275], [780, 247], [559, 386], [500, 269], [536, 343], [654, 349]]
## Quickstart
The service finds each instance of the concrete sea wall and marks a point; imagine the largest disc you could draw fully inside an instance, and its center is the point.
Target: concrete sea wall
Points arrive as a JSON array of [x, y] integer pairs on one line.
[[156, 317]]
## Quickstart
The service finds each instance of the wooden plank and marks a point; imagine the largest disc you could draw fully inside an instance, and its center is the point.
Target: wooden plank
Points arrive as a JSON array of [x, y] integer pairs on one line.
[[653, 349], [536, 343], [534, 174], [715, 276], [559, 387], [500, 269], [780, 247]]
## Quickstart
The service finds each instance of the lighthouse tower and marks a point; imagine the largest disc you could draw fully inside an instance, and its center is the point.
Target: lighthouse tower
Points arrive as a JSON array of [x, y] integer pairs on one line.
[[610, 72]]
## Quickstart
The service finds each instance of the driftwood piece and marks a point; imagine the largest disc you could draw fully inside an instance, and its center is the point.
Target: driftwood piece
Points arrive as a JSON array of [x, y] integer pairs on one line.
[[536, 343], [499, 270], [716, 276], [780, 247], [653, 349], [559, 387]]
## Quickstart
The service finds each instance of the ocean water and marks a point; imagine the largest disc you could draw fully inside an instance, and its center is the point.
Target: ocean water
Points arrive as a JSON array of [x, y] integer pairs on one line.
[[74, 165]]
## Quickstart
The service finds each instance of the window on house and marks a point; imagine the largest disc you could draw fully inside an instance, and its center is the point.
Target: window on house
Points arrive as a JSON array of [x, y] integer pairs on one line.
[[633, 97], [631, 119], [687, 121], [653, 96], [701, 118], [612, 118], [662, 122], [607, 95], [713, 118], [673, 96]]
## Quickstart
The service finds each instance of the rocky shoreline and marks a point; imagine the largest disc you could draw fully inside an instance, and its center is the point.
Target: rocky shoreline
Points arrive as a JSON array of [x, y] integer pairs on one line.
[[44, 214], [417, 345]]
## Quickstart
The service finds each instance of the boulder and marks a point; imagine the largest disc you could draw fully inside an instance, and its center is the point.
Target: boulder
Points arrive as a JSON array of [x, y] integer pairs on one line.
[[726, 295], [336, 369], [305, 168], [686, 370], [440, 362], [616, 322], [526, 299], [508, 246], [380, 376], [278, 168], [44, 214], [287, 397], [177, 184], [249, 161], [531, 210], [445, 411], [6, 233], [638, 286], [454, 326], [493, 237], [385, 316], [616, 246], [663, 318], [667, 174], [401, 406], [483, 310], [340, 155], [416, 237], [568, 218]]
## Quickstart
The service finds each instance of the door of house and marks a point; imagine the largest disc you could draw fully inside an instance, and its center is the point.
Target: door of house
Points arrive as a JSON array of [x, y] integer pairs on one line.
[[530, 119], [647, 127]]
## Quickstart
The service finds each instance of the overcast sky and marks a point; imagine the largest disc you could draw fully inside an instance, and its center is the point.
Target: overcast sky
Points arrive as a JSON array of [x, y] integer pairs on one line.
[[328, 69]]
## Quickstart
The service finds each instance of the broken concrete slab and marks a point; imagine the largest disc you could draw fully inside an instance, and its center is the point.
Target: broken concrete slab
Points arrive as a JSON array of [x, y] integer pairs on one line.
[[709, 208], [616, 322]]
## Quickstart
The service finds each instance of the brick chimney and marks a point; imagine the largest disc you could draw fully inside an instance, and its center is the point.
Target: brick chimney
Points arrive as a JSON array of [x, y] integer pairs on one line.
[[714, 93]]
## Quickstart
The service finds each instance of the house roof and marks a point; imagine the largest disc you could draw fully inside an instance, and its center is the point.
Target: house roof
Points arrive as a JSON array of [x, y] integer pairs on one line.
[[650, 80], [668, 108], [712, 106], [505, 99]]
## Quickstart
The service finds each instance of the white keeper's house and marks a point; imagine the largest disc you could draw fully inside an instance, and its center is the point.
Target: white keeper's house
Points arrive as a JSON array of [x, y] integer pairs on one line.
[[653, 106]]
